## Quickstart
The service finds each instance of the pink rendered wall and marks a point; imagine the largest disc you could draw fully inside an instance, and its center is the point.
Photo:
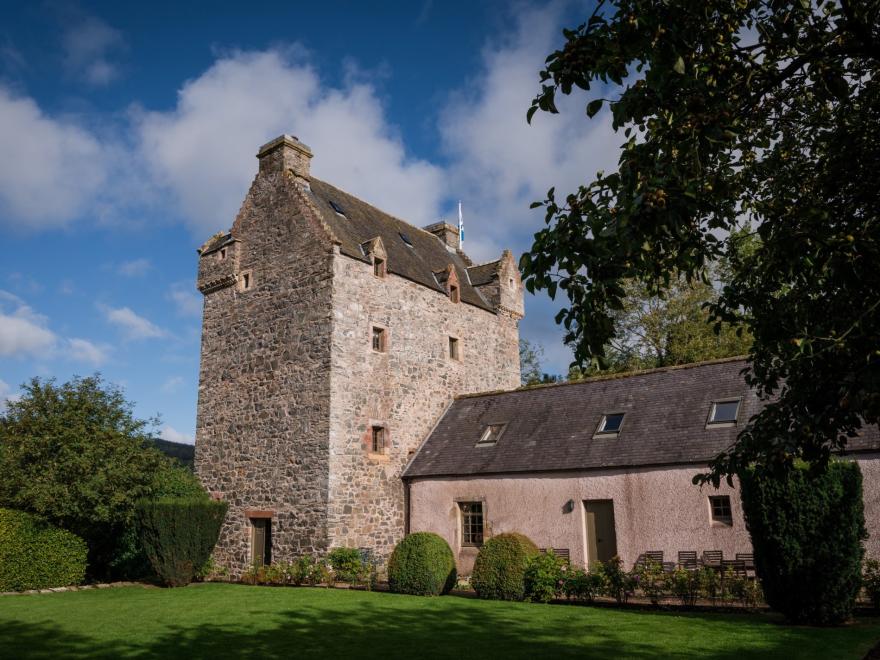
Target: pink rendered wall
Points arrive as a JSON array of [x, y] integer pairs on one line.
[[654, 509]]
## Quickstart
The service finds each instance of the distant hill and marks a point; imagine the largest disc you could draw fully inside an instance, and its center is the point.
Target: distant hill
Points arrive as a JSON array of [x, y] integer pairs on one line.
[[182, 452]]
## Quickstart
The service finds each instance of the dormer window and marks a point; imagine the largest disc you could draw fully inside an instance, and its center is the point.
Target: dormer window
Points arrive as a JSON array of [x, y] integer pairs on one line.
[[610, 424], [490, 435], [454, 295], [724, 412], [378, 267]]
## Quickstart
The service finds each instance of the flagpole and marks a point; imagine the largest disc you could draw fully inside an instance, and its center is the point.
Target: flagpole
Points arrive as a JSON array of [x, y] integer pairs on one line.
[[460, 228]]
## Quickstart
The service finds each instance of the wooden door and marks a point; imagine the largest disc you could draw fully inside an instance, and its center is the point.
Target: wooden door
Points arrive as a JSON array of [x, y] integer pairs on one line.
[[601, 534], [261, 541]]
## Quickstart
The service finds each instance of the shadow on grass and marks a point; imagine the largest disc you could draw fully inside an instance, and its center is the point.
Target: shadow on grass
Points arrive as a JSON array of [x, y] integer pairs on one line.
[[376, 629]]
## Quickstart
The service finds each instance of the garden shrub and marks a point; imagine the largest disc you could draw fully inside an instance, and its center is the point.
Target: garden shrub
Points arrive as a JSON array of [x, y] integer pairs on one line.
[[686, 585], [422, 564], [710, 583], [807, 531], [651, 579], [871, 581], [500, 567], [178, 535], [37, 555], [544, 577], [310, 570], [578, 584], [616, 582], [348, 566]]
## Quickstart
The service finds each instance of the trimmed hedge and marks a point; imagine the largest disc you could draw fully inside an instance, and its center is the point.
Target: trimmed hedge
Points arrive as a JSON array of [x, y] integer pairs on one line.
[[37, 555], [500, 567], [178, 535], [422, 564], [807, 532]]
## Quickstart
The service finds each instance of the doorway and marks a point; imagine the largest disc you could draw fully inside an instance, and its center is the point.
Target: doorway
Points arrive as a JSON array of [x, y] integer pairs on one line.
[[601, 534], [261, 541]]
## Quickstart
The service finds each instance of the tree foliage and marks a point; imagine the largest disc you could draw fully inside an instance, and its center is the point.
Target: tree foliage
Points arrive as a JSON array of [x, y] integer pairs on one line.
[[530, 356], [734, 113], [75, 455]]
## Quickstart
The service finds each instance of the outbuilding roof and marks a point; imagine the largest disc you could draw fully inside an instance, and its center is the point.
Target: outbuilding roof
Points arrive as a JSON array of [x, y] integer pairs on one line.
[[413, 253], [556, 428]]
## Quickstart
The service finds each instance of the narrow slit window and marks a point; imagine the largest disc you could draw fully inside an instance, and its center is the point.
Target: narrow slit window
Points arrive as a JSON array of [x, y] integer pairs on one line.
[[490, 435], [720, 507], [454, 351], [377, 439], [378, 267], [379, 343], [454, 295], [222, 254], [724, 412], [611, 423], [471, 523], [245, 281]]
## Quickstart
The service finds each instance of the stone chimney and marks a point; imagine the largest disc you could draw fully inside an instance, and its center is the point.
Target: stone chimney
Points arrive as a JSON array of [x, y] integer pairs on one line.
[[288, 155], [446, 233]]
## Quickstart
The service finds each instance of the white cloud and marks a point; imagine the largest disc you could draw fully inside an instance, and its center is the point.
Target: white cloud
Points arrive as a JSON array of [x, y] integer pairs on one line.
[[185, 298], [51, 170], [133, 326], [82, 350], [135, 267], [88, 46], [172, 385], [6, 394], [173, 435], [23, 331], [203, 150], [500, 163]]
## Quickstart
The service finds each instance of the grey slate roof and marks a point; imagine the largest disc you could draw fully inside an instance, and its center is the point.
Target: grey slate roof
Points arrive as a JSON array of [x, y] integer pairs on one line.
[[552, 428], [362, 222]]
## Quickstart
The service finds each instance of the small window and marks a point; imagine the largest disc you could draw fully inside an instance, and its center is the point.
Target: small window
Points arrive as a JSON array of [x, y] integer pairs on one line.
[[245, 281], [611, 423], [337, 207], [720, 507], [222, 254], [454, 295], [490, 435], [378, 267], [377, 439], [471, 523], [454, 351], [510, 283], [405, 238], [379, 343], [724, 412]]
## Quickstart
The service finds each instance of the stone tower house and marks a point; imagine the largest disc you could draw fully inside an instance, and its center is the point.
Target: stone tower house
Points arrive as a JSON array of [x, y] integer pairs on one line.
[[334, 336]]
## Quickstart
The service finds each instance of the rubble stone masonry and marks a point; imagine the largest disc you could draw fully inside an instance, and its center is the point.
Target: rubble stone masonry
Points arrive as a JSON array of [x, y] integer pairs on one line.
[[290, 387]]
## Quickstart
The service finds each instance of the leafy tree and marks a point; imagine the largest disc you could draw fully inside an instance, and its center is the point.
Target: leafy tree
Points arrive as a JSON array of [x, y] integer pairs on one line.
[[735, 113], [530, 356], [76, 455]]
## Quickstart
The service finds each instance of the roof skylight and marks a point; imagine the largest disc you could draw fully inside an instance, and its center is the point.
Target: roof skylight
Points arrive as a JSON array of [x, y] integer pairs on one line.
[[405, 238], [724, 412], [490, 435], [611, 423], [336, 207]]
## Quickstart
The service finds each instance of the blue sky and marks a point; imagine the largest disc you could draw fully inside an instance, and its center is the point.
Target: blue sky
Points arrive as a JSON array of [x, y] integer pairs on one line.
[[128, 133]]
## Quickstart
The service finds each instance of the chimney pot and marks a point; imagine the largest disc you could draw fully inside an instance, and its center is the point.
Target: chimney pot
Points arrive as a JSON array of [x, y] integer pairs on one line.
[[285, 154]]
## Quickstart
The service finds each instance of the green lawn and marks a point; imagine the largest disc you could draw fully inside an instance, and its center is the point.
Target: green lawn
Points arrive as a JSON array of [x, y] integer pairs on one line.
[[224, 621]]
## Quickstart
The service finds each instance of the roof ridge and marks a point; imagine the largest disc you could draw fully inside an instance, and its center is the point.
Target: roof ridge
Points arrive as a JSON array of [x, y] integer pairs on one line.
[[615, 376]]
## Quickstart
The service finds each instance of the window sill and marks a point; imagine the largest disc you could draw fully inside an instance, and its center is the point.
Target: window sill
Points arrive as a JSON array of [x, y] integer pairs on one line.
[[721, 524], [378, 458]]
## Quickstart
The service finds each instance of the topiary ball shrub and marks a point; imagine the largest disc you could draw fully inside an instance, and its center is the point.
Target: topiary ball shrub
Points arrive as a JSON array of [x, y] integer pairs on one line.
[[499, 570], [37, 555], [422, 564], [807, 532], [178, 535]]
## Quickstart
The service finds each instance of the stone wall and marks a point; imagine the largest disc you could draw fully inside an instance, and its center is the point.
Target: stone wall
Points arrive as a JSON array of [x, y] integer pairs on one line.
[[264, 383], [405, 389]]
